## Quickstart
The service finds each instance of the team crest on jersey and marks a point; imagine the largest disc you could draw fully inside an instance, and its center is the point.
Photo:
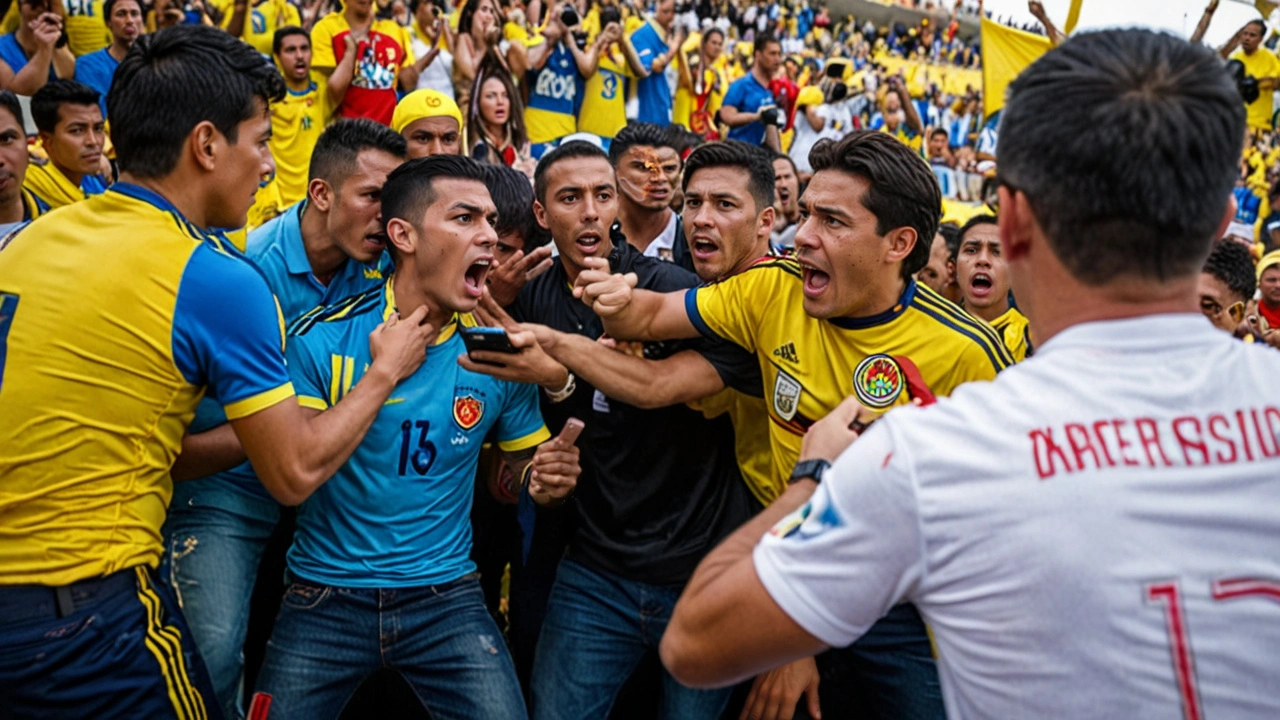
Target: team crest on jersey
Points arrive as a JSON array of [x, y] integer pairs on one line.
[[467, 411], [786, 395], [877, 381]]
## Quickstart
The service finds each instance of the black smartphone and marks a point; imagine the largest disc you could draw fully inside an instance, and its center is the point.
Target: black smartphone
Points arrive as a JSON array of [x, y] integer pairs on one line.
[[487, 338], [569, 16]]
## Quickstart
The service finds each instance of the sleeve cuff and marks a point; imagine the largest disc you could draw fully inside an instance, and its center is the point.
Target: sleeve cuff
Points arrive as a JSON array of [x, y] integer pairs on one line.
[[797, 605], [312, 403], [695, 315], [256, 403], [533, 439]]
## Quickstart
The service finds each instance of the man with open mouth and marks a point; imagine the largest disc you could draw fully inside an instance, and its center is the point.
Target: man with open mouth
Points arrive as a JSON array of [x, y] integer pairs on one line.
[[982, 272], [647, 168], [380, 564], [831, 323]]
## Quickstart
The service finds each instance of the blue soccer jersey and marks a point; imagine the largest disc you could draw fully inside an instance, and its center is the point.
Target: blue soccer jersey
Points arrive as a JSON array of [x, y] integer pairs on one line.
[[747, 95], [653, 92], [276, 250], [398, 512]]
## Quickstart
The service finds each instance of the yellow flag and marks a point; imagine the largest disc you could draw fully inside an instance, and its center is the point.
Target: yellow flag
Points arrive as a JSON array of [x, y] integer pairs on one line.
[[1005, 53], [1266, 7], [1073, 16]]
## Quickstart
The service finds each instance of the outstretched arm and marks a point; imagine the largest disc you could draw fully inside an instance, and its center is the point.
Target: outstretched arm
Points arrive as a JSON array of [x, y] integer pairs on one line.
[[628, 313]]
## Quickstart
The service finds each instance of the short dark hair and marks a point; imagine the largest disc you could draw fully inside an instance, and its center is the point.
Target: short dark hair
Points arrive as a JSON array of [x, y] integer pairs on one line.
[[177, 78], [1230, 262], [1262, 26], [9, 101], [638, 134], [762, 42], [513, 196], [903, 191], [975, 221], [110, 5], [287, 31], [53, 95], [939, 131], [756, 161], [568, 151], [410, 190], [1142, 194], [712, 31], [790, 161], [951, 236], [336, 150]]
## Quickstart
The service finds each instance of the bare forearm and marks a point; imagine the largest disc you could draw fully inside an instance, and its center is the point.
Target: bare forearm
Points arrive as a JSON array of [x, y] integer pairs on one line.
[[340, 79], [235, 26], [206, 453], [733, 117], [33, 75], [633, 59], [631, 379], [64, 63]]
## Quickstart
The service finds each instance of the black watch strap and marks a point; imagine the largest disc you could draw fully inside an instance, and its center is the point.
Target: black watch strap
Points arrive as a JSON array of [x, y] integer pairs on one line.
[[814, 469]]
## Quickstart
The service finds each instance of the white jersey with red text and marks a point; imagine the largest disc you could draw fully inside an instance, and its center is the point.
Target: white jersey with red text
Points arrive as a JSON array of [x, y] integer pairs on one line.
[[1095, 534]]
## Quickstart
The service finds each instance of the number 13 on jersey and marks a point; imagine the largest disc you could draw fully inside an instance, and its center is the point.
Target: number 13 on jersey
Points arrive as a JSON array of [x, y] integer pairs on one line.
[[1169, 595]]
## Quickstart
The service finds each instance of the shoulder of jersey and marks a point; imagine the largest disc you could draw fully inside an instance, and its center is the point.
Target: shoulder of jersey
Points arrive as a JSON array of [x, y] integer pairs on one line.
[[345, 309], [962, 324], [774, 263]]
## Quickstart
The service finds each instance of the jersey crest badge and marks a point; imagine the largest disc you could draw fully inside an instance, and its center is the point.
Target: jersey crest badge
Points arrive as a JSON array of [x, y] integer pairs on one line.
[[786, 395], [877, 381], [467, 411]]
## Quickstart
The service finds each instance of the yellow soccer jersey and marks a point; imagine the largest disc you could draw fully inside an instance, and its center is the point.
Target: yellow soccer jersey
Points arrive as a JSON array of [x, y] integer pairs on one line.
[[810, 366], [750, 418], [296, 124], [86, 28], [1261, 64], [261, 21], [1015, 332], [604, 102], [99, 376]]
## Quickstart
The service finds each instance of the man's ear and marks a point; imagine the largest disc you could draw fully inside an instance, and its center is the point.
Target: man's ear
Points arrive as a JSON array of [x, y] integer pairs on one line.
[[402, 236], [320, 194], [901, 241], [540, 214], [204, 143], [768, 217]]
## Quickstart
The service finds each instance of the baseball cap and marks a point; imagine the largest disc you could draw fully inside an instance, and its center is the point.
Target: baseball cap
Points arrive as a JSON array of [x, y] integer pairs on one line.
[[424, 103]]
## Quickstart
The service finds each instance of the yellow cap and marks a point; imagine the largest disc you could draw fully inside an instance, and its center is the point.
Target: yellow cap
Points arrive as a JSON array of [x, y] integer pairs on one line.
[[424, 103], [1271, 259]]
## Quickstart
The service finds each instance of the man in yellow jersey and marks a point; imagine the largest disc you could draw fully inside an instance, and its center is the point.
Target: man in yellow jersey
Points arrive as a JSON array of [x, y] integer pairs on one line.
[[558, 71], [257, 22], [703, 83], [430, 122], [296, 123], [17, 205], [982, 274], [362, 57], [86, 32], [1260, 63], [604, 101], [118, 314], [70, 122], [835, 322]]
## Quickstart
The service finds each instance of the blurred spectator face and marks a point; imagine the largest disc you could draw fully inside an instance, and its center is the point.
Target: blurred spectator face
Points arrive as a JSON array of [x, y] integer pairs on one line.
[[937, 144], [495, 106], [1269, 286], [981, 271], [13, 156], [787, 187], [712, 45], [1250, 38], [1219, 303], [294, 58], [770, 59], [125, 22], [666, 13], [938, 273]]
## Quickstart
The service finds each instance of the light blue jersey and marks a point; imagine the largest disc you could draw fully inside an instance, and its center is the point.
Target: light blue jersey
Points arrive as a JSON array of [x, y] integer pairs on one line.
[[397, 514]]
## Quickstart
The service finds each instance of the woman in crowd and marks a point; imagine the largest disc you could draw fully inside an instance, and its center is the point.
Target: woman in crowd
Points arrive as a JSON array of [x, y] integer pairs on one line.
[[495, 121]]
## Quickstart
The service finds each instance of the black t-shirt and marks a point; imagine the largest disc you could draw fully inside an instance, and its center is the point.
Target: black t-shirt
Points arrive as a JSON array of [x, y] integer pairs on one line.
[[659, 488]]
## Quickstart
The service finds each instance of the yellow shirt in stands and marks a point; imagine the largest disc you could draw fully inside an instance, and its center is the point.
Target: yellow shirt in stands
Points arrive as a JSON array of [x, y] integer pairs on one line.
[[86, 28], [810, 366], [46, 182], [261, 21], [296, 124], [1016, 333], [1261, 64], [100, 376], [604, 102]]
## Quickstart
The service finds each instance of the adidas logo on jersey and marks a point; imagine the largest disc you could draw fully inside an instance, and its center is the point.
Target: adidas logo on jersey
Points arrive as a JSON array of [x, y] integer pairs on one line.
[[787, 352]]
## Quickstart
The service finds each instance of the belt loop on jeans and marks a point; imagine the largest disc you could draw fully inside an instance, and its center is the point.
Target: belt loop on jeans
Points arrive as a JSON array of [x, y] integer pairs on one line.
[[66, 605]]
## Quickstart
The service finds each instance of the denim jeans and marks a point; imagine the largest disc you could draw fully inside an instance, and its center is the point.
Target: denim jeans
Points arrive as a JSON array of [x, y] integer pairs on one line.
[[598, 628], [214, 538], [441, 638]]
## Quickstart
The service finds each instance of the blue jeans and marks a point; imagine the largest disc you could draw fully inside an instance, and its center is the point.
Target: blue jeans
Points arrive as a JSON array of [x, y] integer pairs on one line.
[[598, 628], [214, 538], [441, 638], [888, 674]]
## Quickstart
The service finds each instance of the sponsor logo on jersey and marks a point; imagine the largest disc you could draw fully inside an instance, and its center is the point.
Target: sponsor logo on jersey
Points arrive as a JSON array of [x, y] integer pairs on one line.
[[787, 352], [467, 411], [786, 395], [877, 381]]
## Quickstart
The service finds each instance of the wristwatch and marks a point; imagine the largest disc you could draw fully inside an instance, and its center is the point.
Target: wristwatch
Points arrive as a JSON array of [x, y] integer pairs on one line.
[[809, 469]]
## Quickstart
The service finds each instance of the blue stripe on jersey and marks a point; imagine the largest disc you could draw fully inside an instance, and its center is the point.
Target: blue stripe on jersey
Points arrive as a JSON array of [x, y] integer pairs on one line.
[[960, 316], [993, 354], [695, 316]]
